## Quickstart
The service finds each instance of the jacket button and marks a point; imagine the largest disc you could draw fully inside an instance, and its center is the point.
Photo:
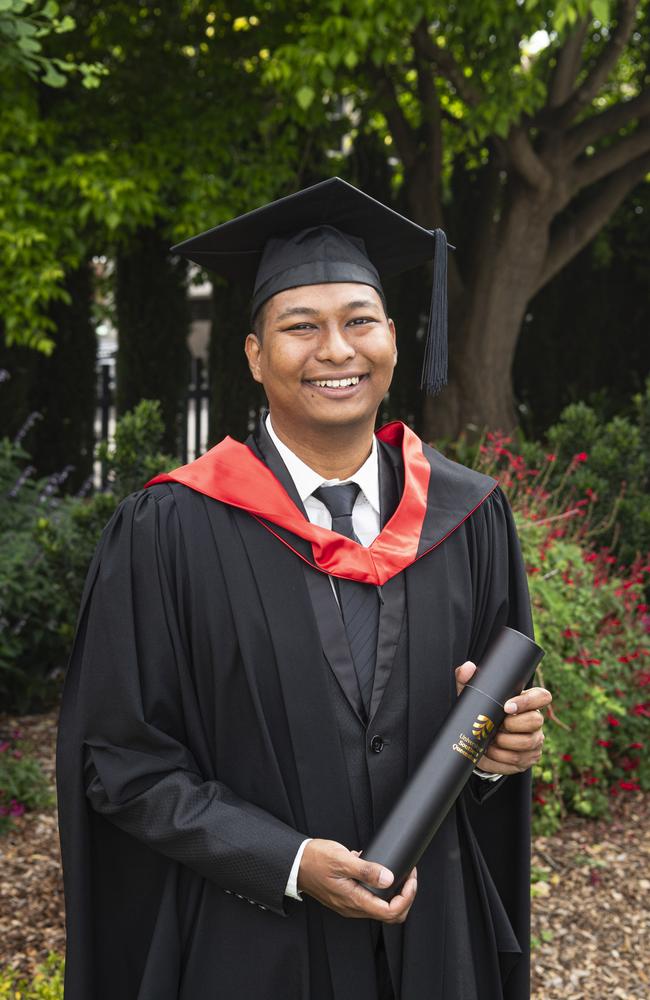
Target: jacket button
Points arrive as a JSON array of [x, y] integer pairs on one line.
[[376, 744]]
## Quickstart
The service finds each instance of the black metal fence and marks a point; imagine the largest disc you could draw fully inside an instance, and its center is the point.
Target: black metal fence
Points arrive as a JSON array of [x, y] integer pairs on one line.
[[195, 417]]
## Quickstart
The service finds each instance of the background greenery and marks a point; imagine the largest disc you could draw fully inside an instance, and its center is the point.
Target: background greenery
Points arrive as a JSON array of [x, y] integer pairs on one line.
[[523, 128]]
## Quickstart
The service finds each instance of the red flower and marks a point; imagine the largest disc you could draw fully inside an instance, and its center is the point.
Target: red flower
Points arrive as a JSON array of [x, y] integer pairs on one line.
[[604, 743], [643, 708], [612, 720], [17, 808], [590, 780], [567, 756], [629, 786], [636, 746], [540, 800], [551, 457], [570, 633], [4, 746], [580, 457]]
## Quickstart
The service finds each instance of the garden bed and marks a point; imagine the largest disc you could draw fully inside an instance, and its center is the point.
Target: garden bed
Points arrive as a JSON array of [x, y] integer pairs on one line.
[[591, 923]]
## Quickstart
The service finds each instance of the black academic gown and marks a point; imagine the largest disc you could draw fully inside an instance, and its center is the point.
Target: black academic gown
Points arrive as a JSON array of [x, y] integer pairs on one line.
[[200, 742]]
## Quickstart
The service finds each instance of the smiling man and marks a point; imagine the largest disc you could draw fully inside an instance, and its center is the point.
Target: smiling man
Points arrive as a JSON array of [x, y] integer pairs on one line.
[[269, 640]]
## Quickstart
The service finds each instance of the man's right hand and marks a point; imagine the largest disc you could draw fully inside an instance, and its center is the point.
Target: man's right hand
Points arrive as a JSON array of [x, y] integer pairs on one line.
[[331, 874]]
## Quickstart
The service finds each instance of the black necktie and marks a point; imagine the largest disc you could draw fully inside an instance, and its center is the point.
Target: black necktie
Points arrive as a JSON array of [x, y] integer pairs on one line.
[[359, 601]]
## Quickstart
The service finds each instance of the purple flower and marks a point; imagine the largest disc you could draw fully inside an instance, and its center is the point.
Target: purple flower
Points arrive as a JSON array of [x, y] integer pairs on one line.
[[16, 808], [4, 746], [27, 426]]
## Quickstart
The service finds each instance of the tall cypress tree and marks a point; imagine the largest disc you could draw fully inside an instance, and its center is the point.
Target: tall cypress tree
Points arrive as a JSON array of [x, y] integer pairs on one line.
[[61, 387], [234, 394], [152, 318]]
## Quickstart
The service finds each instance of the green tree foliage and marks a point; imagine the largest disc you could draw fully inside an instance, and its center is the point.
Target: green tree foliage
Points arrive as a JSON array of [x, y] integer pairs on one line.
[[496, 119], [24, 27], [182, 134]]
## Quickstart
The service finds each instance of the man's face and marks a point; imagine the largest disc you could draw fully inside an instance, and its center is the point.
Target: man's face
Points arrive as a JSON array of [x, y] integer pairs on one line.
[[319, 334]]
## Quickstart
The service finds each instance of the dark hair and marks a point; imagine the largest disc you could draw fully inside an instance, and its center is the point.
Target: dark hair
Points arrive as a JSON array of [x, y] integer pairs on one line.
[[258, 320]]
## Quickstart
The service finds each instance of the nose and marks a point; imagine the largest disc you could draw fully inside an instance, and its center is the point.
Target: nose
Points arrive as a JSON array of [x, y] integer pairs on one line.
[[334, 346]]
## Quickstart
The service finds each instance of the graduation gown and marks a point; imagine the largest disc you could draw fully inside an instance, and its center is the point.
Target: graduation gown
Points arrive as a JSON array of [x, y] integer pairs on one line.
[[208, 726]]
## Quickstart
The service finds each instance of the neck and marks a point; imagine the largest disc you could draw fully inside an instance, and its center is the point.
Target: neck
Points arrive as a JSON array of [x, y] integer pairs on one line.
[[334, 453]]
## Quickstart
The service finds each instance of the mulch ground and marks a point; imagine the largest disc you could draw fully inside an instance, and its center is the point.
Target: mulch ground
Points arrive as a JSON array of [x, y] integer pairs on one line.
[[591, 919]]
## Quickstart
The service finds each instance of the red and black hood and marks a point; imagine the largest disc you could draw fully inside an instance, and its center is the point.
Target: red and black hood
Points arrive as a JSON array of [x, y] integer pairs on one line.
[[438, 495]]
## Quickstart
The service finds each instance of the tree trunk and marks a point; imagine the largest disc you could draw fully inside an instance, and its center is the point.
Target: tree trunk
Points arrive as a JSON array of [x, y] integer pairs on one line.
[[485, 324]]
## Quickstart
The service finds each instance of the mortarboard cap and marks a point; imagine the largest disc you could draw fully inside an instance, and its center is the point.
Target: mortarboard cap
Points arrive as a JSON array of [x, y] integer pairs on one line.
[[329, 232]]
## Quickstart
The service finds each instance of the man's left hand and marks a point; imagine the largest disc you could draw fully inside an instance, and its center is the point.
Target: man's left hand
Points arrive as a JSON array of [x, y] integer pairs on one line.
[[519, 739]]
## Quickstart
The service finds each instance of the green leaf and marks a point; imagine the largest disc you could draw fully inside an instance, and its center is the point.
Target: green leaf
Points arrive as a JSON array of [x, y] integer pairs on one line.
[[66, 23], [305, 97], [600, 10], [52, 78], [350, 59]]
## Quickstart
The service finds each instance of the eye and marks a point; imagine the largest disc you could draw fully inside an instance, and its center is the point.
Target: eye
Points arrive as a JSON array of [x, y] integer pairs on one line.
[[300, 327], [361, 320]]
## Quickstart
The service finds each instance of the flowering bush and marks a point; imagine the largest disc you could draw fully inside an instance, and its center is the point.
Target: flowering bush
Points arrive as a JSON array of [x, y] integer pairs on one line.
[[605, 465], [48, 543], [592, 619], [23, 785], [47, 983]]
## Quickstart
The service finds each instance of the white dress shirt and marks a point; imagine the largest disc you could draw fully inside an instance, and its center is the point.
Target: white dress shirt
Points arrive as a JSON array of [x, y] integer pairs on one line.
[[366, 523]]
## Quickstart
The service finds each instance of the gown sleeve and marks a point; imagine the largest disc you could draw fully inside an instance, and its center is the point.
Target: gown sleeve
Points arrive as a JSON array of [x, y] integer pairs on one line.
[[499, 591], [127, 715]]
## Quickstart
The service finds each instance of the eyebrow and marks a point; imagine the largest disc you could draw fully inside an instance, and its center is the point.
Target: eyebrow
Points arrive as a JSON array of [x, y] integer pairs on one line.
[[309, 311]]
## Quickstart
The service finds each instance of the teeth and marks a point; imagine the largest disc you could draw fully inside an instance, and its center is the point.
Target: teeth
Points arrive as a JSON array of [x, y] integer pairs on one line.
[[336, 383]]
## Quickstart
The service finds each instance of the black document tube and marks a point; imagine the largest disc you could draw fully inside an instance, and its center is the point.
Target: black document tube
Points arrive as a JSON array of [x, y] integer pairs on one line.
[[508, 663]]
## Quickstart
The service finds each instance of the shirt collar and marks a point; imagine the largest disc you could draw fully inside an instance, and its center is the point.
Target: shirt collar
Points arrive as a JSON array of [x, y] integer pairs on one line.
[[306, 480]]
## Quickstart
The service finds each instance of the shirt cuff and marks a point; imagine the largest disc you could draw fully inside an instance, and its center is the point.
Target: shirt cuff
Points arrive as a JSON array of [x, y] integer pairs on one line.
[[292, 882], [484, 775]]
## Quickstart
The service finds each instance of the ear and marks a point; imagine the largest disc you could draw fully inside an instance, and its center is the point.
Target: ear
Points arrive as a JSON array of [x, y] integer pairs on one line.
[[253, 350], [393, 333]]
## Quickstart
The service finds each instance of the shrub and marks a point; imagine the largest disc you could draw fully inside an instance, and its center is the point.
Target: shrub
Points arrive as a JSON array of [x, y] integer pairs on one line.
[[592, 620], [30, 607], [23, 785], [604, 463], [48, 544], [46, 984]]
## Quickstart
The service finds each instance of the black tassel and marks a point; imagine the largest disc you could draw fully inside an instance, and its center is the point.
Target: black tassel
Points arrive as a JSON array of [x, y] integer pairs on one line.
[[434, 368]]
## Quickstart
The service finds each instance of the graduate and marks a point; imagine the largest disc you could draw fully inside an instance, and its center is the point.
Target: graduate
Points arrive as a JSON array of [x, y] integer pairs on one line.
[[269, 639]]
